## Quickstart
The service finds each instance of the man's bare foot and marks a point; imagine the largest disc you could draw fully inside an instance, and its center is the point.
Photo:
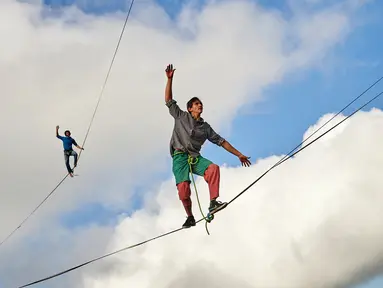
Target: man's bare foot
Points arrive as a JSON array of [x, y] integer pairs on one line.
[[71, 174]]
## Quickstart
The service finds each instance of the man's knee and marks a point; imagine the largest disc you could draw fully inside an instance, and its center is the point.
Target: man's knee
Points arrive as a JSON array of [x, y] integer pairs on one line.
[[212, 173], [212, 169], [184, 190]]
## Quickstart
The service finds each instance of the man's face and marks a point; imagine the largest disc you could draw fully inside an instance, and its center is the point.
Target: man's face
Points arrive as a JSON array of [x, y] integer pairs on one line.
[[197, 107], [67, 134]]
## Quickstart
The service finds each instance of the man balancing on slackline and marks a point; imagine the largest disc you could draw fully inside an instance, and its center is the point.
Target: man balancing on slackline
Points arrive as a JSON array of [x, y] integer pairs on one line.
[[189, 133], [68, 141]]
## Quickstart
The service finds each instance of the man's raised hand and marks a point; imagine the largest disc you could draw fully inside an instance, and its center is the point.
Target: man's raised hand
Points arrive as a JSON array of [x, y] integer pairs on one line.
[[170, 71]]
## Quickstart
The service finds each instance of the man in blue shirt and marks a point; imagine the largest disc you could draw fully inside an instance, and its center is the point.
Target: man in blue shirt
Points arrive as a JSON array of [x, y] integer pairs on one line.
[[68, 151]]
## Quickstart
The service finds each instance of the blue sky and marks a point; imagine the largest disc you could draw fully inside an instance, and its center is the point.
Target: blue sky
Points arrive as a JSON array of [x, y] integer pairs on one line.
[[277, 125]]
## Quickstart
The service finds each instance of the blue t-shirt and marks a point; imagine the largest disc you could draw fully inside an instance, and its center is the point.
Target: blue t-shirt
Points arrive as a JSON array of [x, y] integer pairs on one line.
[[67, 142]]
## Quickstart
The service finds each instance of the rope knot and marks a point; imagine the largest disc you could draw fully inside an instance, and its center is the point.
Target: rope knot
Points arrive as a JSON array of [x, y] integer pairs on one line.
[[190, 160]]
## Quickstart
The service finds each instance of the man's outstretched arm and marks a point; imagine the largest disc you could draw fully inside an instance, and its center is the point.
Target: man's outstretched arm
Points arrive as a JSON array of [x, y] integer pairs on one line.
[[215, 138], [79, 147], [76, 145], [244, 159]]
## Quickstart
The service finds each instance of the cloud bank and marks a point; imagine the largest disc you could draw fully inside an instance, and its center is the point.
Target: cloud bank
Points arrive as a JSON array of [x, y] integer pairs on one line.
[[312, 222]]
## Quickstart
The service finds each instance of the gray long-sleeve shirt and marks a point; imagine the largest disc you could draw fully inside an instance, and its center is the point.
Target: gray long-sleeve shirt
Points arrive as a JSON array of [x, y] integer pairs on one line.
[[189, 134]]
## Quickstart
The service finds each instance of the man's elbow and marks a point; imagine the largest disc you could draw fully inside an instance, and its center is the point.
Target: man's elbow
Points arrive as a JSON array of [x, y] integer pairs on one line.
[[222, 143], [168, 98]]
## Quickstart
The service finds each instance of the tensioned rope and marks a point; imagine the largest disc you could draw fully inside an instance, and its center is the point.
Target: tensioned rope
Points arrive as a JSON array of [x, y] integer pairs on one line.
[[87, 133], [288, 156], [304, 147], [107, 75]]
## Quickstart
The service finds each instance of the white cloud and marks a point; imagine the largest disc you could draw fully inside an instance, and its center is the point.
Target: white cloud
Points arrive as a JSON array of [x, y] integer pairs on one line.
[[311, 222], [52, 71], [318, 129]]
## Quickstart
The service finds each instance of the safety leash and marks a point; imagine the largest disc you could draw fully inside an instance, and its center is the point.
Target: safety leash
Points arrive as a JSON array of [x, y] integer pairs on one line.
[[190, 162]]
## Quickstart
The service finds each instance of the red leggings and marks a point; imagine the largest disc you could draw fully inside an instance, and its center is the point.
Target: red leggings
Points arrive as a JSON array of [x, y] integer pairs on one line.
[[211, 176]]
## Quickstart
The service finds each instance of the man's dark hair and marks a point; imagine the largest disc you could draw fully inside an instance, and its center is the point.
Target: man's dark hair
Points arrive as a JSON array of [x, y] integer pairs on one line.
[[67, 131], [191, 101]]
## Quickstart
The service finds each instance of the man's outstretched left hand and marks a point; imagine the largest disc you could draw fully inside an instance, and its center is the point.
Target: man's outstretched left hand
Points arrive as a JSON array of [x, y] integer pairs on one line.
[[244, 160]]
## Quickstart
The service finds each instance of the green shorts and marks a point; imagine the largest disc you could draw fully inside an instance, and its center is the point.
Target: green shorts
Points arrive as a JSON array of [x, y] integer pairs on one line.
[[181, 168]]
